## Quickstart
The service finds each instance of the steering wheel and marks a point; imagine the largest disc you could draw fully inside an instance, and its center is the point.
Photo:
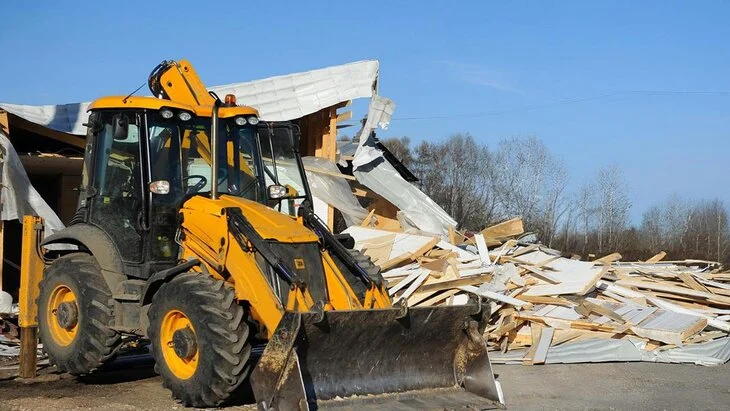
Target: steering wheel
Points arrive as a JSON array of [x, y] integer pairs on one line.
[[195, 188]]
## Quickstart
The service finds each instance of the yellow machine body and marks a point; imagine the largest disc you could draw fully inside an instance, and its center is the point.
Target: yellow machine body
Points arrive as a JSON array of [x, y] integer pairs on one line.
[[206, 236]]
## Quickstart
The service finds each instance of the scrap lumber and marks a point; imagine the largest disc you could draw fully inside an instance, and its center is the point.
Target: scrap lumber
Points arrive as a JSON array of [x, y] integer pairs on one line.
[[658, 257], [504, 230], [541, 299]]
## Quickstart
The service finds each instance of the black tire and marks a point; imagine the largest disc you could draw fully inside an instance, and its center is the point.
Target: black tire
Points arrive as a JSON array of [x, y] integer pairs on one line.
[[95, 342], [357, 285], [366, 263], [220, 332]]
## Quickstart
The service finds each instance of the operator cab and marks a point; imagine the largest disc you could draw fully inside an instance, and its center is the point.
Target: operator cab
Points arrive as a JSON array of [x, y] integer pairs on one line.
[[146, 156]]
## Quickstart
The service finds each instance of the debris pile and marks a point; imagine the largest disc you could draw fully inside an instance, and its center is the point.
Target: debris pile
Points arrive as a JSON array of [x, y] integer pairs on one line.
[[549, 308]]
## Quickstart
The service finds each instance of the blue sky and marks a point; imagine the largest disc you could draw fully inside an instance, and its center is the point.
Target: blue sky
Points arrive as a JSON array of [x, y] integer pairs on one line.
[[474, 67]]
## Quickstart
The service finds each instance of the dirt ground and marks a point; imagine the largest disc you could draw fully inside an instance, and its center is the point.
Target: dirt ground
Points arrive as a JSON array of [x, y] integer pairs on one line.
[[133, 385]]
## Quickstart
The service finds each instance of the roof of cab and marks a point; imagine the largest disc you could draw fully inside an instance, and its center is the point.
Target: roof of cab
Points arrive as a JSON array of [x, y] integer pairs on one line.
[[153, 103]]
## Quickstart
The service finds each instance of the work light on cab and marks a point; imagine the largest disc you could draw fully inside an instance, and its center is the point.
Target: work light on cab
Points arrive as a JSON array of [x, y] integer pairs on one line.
[[166, 113], [241, 121]]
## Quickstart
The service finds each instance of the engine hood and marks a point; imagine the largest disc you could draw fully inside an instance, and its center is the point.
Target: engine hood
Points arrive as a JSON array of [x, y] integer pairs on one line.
[[270, 224]]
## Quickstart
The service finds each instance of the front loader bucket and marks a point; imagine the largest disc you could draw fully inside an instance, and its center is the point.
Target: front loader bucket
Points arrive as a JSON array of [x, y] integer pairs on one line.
[[419, 358]]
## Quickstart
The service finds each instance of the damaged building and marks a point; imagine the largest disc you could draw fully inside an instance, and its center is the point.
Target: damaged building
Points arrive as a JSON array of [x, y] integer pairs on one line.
[[43, 150]]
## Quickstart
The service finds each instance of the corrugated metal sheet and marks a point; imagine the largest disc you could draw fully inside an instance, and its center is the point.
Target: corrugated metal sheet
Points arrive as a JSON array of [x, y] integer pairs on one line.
[[277, 98], [609, 350]]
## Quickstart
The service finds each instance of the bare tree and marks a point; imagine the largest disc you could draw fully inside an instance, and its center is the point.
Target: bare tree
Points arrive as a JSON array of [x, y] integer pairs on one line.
[[613, 207], [455, 173], [586, 213], [530, 182]]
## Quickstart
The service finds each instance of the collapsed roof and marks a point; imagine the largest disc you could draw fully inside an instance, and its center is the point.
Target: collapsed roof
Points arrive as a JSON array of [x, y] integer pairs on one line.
[[278, 98]]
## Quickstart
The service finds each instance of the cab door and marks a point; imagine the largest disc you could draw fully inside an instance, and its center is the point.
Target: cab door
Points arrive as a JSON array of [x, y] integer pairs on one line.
[[116, 200]]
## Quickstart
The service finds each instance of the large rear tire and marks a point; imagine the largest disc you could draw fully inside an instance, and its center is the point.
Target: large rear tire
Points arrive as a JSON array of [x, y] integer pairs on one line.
[[200, 339], [75, 315]]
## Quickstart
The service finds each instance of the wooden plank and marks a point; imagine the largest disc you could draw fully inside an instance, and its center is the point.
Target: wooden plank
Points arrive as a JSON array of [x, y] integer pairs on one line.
[[412, 275], [546, 300], [613, 257], [378, 249], [599, 309], [525, 250], [507, 326], [674, 290], [4, 123], [406, 247], [541, 274], [536, 333], [691, 282], [494, 296], [409, 256], [436, 298], [566, 324], [460, 282], [655, 259], [466, 255], [28, 352], [509, 228], [483, 250], [562, 336], [544, 342], [368, 219], [452, 235], [414, 285], [344, 116]]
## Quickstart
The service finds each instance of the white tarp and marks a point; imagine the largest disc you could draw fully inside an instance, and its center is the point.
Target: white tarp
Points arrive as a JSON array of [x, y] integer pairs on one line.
[[278, 98], [333, 190], [371, 169], [18, 197]]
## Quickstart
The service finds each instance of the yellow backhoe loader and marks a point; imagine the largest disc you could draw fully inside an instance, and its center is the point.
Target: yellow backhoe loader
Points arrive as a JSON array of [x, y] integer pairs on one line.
[[195, 229]]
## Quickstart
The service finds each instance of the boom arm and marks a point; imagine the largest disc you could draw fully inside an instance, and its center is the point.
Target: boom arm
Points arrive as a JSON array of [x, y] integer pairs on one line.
[[178, 81]]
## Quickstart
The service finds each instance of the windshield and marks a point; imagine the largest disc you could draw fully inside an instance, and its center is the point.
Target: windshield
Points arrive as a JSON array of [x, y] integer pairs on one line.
[[180, 153]]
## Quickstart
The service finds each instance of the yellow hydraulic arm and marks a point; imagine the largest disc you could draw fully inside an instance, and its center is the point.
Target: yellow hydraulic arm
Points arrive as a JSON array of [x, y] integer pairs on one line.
[[178, 81]]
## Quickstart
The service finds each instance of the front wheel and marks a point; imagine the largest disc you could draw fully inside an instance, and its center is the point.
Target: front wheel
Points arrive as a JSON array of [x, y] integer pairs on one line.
[[200, 339], [75, 314]]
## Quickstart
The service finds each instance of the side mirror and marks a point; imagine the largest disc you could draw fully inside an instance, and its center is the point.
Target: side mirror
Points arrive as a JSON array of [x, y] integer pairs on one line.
[[120, 126], [160, 187], [276, 192], [94, 125]]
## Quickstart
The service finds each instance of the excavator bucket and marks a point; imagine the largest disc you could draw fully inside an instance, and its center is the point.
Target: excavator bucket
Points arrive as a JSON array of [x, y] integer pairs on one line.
[[396, 358]]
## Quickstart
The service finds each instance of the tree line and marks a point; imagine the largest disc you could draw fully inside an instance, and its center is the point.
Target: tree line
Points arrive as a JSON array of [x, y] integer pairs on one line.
[[480, 186]]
